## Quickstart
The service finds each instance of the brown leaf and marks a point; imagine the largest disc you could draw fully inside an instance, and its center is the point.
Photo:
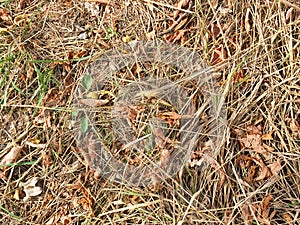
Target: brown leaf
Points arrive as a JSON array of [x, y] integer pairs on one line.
[[11, 156], [215, 30], [177, 36], [252, 138], [46, 159], [214, 3], [264, 173], [294, 127], [263, 212], [244, 161], [267, 137], [165, 158], [248, 212], [275, 167], [181, 4], [288, 218], [250, 178], [4, 16], [219, 55], [23, 3], [160, 139]]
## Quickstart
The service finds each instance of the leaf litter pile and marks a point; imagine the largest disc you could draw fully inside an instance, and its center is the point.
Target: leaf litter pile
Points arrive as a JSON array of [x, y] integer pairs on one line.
[[253, 49]]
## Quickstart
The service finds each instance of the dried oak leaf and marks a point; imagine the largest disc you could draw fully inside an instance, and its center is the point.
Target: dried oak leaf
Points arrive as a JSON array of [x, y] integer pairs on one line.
[[252, 138]]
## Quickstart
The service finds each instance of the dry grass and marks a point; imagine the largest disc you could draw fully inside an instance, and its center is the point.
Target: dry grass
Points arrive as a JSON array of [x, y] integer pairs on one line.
[[42, 60]]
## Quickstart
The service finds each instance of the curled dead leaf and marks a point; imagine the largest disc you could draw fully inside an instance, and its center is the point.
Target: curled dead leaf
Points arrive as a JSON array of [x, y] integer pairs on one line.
[[30, 188], [11, 156], [264, 215]]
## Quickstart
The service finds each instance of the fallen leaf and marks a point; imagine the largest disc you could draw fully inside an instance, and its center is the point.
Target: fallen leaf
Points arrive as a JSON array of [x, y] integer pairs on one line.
[[264, 173], [23, 3], [160, 139], [250, 177], [267, 137], [252, 137], [294, 127], [214, 3], [178, 35], [263, 212], [165, 158], [5, 17], [11, 156], [244, 161], [275, 167], [171, 118], [219, 55], [248, 212], [288, 218], [215, 30], [181, 4], [30, 188], [46, 159]]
